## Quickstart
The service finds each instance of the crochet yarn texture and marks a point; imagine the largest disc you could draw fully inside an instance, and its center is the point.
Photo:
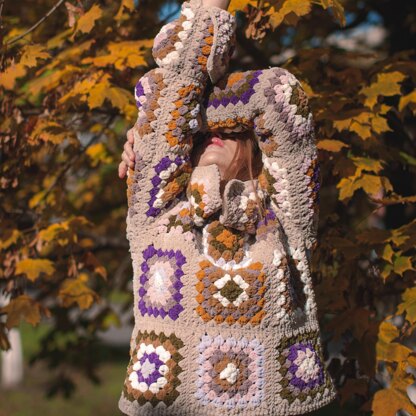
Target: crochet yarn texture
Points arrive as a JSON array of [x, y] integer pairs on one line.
[[224, 308]]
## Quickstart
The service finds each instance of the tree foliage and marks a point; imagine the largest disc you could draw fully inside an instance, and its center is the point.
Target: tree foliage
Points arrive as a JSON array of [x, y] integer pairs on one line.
[[67, 100]]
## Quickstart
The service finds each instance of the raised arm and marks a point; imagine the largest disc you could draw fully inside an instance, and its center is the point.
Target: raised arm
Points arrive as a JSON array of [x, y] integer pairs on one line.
[[190, 50]]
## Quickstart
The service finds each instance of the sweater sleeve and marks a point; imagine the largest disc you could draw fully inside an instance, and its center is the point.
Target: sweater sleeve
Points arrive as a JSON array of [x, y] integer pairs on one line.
[[273, 103], [190, 50], [290, 172]]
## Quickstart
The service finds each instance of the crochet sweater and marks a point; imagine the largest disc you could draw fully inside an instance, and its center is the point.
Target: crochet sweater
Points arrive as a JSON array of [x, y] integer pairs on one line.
[[224, 308]]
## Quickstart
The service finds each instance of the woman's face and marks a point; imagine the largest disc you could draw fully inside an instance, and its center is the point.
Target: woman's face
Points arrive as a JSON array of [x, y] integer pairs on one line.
[[216, 148]]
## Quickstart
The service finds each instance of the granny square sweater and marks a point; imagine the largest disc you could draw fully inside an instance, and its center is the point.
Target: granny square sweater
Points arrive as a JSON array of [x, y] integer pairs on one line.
[[224, 307]]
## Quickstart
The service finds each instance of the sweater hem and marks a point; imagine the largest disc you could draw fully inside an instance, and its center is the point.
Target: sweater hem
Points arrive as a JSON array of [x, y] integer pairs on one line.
[[130, 409]]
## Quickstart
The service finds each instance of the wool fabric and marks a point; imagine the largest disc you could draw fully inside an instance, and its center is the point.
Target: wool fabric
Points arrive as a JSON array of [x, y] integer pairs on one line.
[[224, 307]]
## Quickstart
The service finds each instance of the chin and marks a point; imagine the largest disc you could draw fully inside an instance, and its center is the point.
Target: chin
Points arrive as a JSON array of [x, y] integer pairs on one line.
[[208, 161]]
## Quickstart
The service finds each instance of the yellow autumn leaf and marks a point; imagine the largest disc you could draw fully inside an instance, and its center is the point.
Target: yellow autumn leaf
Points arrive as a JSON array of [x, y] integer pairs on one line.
[[337, 9], [57, 40], [288, 7], [346, 188], [10, 237], [119, 97], [90, 90], [9, 76], [363, 130], [407, 99], [342, 124], [124, 5], [386, 84], [389, 401], [129, 54], [371, 184], [367, 164], [379, 124], [97, 94], [98, 153], [387, 253], [402, 264], [24, 307], [49, 81], [374, 185], [331, 145], [87, 21], [409, 304], [47, 130], [31, 53], [37, 198], [77, 291], [360, 124], [33, 268], [236, 5], [130, 112], [386, 348], [398, 237], [57, 233], [71, 55], [386, 271]]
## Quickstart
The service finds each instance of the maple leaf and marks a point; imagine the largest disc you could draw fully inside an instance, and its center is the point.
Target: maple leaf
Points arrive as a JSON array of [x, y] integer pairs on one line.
[[76, 291], [33, 268], [87, 21], [289, 9], [24, 307], [331, 145], [386, 84], [409, 304]]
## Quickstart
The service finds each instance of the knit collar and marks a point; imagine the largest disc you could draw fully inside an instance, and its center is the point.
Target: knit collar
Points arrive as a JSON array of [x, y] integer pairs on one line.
[[237, 208]]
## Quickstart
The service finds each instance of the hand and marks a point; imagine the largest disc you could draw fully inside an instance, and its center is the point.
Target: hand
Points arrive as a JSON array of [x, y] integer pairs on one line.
[[127, 155]]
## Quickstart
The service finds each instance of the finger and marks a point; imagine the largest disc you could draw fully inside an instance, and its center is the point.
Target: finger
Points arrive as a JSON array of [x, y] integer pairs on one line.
[[127, 160], [130, 136], [122, 170], [129, 150]]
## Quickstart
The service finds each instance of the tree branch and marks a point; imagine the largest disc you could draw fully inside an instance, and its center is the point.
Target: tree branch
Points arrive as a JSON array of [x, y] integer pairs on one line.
[[35, 25]]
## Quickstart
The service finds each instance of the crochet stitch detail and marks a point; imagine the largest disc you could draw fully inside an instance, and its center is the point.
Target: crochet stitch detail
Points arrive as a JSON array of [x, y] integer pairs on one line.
[[225, 318]]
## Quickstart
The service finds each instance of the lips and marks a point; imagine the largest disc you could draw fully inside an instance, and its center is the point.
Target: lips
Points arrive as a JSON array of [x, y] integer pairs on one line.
[[215, 140]]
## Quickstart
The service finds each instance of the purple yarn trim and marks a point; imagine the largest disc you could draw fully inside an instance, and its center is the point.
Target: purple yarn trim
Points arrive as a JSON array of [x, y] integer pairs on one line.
[[160, 167], [244, 97], [139, 93]]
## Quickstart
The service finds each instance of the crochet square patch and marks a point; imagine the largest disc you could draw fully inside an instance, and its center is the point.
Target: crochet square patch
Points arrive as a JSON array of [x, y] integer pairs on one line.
[[224, 244], [169, 174], [160, 283], [231, 372], [301, 367], [152, 373], [231, 296]]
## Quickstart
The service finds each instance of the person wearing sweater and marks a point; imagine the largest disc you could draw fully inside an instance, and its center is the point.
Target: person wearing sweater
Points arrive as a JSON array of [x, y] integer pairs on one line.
[[223, 203]]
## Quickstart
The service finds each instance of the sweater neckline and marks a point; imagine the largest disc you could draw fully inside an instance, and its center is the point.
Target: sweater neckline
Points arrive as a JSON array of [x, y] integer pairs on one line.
[[236, 208]]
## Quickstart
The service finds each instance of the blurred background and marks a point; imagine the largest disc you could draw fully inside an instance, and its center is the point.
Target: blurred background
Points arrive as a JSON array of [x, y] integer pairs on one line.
[[67, 76]]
